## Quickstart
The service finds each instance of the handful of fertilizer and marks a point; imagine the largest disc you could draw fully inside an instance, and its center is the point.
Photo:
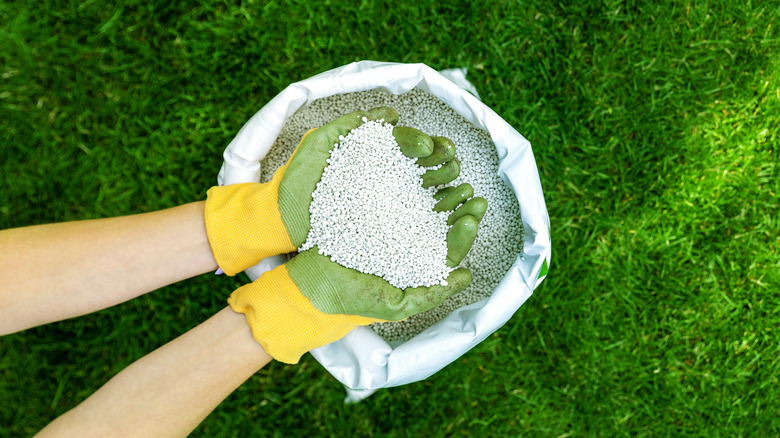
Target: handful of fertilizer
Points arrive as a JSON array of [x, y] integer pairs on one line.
[[377, 210]]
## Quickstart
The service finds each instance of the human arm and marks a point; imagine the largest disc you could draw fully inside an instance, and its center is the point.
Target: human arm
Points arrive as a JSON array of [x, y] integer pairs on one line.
[[171, 390], [58, 271], [156, 373]]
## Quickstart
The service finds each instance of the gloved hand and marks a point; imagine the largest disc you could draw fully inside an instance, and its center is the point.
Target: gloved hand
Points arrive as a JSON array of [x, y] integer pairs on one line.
[[248, 222], [312, 301]]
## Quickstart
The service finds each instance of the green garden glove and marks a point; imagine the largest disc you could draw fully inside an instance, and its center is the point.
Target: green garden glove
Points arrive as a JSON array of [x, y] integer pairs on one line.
[[312, 301]]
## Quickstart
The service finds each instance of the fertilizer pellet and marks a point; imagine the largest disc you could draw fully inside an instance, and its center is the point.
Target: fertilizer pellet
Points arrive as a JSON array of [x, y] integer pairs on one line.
[[371, 197], [500, 232]]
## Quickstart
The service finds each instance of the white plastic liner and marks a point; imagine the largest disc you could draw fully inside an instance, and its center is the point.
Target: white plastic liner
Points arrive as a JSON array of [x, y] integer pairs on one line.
[[363, 361]]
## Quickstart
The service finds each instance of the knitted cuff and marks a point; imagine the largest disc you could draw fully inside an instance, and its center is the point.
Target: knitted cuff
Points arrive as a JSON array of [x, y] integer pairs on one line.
[[283, 321], [243, 224]]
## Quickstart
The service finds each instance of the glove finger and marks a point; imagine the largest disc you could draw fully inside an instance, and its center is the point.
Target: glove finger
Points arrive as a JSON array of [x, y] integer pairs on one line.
[[443, 175], [443, 151], [385, 113], [474, 207], [460, 238], [413, 142], [450, 197], [443, 192], [421, 299]]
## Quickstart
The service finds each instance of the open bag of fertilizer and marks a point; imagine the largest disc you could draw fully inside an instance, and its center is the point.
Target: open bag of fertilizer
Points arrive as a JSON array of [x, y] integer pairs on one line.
[[510, 257]]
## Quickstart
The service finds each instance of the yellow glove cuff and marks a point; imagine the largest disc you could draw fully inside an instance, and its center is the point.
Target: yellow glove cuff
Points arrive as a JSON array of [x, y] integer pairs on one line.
[[244, 225], [285, 322], [243, 222]]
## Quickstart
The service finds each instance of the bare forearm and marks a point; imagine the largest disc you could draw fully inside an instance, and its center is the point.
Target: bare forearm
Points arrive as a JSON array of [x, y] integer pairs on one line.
[[171, 390], [57, 271]]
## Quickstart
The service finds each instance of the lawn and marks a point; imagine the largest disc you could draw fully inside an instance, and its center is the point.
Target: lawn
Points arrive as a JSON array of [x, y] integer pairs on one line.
[[655, 129]]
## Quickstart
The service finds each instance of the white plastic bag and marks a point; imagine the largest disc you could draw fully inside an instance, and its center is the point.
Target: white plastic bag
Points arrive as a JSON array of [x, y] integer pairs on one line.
[[363, 361]]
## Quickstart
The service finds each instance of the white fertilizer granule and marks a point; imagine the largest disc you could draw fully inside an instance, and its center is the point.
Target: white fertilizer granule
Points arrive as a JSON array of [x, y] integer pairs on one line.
[[500, 236], [370, 212]]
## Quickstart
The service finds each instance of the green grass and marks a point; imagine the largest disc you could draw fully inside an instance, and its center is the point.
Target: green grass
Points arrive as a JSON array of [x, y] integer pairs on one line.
[[654, 125]]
